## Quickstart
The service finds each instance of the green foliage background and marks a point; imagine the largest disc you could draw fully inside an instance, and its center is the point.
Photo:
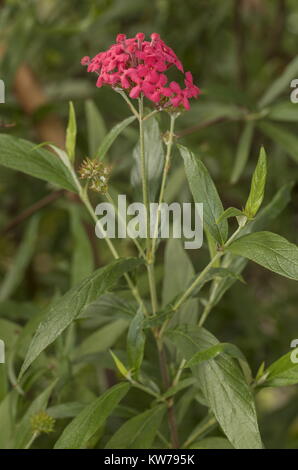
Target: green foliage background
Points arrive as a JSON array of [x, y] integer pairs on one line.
[[236, 50]]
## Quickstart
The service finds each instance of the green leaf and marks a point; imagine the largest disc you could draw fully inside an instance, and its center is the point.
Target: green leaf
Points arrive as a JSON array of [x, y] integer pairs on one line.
[[82, 258], [287, 140], [214, 351], [280, 84], [22, 155], [77, 434], [69, 307], [284, 371], [230, 212], [96, 128], [71, 133], [284, 111], [136, 341], [223, 386], [120, 366], [101, 340], [243, 150], [181, 385], [15, 273], [257, 187], [154, 157], [212, 443], [112, 136], [7, 420], [236, 264], [138, 432], [269, 250], [203, 190], [177, 280]]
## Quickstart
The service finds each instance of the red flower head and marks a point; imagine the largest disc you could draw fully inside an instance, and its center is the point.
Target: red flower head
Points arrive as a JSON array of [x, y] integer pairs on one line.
[[139, 67]]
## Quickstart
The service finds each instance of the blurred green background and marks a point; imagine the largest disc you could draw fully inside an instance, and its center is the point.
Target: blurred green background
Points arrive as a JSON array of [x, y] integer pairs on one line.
[[235, 50]]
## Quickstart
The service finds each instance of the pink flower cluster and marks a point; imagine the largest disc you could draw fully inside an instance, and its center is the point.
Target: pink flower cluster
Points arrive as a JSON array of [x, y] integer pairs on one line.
[[139, 67]]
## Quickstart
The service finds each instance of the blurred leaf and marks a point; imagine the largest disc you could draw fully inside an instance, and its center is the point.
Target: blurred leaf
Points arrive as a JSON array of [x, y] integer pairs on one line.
[[69, 307], [65, 410], [287, 140], [257, 187], [280, 84], [269, 250], [96, 128], [203, 190], [77, 434], [22, 155], [284, 111], [212, 443], [101, 340], [154, 157], [243, 150], [16, 272], [71, 133], [136, 341], [138, 432], [223, 386], [112, 136], [82, 258], [177, 280]]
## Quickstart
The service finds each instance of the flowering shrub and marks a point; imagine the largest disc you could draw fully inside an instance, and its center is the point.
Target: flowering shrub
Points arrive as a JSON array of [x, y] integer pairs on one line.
[[143, 314]]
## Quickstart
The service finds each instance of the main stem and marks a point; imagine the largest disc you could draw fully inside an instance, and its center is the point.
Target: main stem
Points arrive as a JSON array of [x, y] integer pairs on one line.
[[150, 266]]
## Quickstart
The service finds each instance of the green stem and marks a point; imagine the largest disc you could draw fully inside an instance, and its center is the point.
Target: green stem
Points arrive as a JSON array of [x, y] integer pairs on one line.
[[32, 439], [150, 267], [163, 182], [131, 106]]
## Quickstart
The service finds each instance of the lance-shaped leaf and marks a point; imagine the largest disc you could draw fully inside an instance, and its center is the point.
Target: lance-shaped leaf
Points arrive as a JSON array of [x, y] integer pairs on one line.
[[136, 341], [288, 141], [22, 155], [22, 259], [77, 434], [71, 133], [243, 151], [284, 371], [223, 386], [154, 157], [69, 307], [269, 250], [203, 190], [138, 432], [280, 84], [96, 129], [257, 187], [112, 136]]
